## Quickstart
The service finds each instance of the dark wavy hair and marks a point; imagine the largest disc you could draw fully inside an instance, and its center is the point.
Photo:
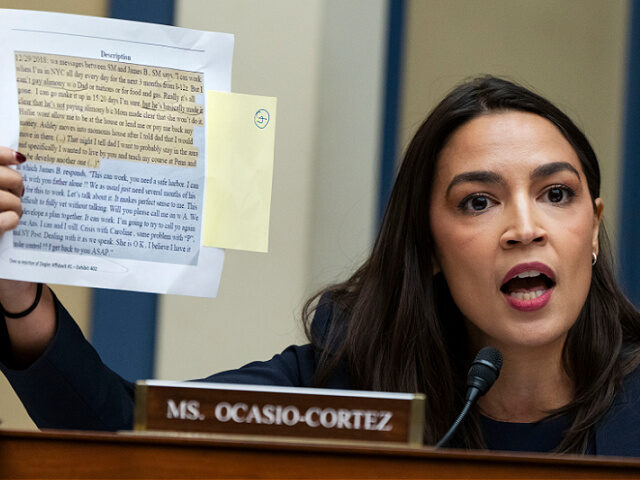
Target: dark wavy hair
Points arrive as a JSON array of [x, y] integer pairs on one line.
[[395, 326]]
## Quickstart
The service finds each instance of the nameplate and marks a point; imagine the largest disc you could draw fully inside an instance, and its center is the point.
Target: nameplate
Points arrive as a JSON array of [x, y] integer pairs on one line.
[[279, 411]]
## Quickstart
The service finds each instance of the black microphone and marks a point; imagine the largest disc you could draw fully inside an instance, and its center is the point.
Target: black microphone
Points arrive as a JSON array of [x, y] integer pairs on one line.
[[483, 372]]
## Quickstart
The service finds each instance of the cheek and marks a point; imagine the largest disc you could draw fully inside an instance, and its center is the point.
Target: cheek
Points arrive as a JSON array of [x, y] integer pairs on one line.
[[454, 238], [574, 245], [464, 253], [573, 236]]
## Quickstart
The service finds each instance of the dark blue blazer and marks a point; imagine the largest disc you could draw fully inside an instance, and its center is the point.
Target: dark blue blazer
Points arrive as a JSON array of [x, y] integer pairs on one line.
[[69, 386]]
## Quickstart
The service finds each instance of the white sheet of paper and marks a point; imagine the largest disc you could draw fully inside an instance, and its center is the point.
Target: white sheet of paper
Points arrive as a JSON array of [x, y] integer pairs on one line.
[[111, 118]]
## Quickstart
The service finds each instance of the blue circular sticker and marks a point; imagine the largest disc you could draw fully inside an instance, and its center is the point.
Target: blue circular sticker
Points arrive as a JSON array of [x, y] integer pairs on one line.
[[261, 118]]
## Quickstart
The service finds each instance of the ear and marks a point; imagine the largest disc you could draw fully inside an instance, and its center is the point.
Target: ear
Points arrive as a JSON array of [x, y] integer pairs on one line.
[[597, 218]]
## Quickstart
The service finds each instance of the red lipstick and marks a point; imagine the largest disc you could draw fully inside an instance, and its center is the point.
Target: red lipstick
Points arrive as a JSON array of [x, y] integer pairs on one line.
[[525, 267], [528, 305]]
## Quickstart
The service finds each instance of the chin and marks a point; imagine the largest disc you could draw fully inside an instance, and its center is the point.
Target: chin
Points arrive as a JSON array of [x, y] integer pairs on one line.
[[540, 341], [505, 328], [534, 337]]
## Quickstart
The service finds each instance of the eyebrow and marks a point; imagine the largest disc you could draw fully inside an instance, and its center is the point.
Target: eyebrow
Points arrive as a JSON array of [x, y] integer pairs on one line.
[[486, 176], [554, 167], [480, 176]]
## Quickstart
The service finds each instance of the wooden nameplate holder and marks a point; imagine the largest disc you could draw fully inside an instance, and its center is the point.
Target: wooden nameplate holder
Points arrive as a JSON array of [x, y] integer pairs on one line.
[[279, 411]]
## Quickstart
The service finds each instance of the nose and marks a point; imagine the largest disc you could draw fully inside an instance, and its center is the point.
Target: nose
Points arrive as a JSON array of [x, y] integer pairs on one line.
[[522, 227]]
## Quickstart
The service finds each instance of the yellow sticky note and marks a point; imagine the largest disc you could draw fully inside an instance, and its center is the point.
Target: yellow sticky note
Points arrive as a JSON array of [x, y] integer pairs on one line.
[[240, 146]]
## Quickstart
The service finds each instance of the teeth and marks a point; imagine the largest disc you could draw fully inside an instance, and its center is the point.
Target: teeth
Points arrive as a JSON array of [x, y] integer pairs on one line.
[[528, 273], [527, 295]]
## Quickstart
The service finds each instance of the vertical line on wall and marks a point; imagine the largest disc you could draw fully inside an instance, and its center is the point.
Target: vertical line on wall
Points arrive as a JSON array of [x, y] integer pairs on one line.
[[629, 227], [123, 325], [392, 86]]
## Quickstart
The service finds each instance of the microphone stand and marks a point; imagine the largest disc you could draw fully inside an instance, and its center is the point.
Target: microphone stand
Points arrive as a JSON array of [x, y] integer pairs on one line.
[[471, 398], [483, 372]]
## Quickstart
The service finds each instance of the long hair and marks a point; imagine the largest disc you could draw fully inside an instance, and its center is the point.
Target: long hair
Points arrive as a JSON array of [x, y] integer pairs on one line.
[[395, 326]]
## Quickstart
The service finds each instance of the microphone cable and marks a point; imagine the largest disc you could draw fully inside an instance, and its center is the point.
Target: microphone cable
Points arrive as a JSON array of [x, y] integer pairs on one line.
[[483, 372]]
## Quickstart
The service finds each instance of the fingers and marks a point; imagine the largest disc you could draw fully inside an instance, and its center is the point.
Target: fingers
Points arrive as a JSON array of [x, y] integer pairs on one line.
[[9, 220], [11, 157], [11, 189], [11, 181], [10, 211]]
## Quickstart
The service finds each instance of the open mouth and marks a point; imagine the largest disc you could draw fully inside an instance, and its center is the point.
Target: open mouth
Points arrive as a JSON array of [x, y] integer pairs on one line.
[[527, 285]]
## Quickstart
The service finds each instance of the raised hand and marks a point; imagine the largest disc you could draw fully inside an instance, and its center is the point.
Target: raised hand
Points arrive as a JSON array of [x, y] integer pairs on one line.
[[33, 327], [11, 189]]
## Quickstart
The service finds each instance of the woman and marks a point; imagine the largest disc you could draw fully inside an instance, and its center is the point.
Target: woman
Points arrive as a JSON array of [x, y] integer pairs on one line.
[[492, 236]]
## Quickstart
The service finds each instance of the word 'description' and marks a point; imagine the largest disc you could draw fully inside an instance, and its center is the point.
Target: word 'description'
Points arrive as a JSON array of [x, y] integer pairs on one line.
[[279, 411]]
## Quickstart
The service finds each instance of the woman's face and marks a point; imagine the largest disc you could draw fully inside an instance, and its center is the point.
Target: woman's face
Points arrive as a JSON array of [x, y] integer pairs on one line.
[[514, 228]]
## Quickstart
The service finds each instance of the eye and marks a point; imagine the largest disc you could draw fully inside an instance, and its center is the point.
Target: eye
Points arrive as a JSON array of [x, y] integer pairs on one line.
[[476, 203], [559, 194]]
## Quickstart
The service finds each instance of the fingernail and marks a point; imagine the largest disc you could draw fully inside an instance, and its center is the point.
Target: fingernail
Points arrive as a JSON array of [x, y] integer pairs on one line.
[[19, 157]]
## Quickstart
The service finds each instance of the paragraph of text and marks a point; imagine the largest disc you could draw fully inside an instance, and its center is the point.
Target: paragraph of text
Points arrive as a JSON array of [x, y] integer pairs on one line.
[[75, 111], [88, 212]]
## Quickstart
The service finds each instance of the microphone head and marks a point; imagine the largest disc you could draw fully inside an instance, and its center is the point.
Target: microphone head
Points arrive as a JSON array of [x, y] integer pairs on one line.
[[485, 369]]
